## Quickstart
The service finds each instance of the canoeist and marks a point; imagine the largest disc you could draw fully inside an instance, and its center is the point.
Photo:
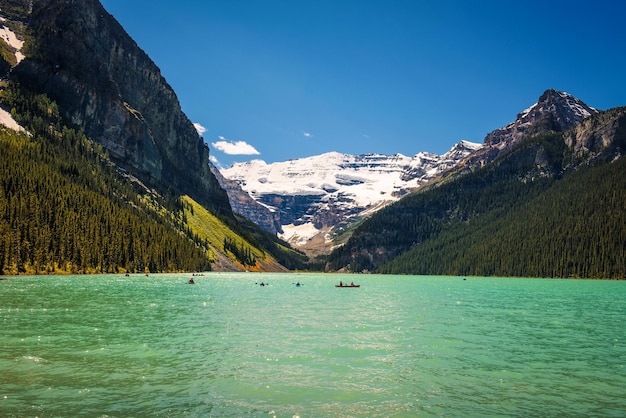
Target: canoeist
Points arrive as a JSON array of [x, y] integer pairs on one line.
[[191, 281], [341, 284]]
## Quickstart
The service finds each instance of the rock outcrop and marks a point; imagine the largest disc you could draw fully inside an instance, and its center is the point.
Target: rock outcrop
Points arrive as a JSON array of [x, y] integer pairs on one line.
[[245, 205], [603, 135]]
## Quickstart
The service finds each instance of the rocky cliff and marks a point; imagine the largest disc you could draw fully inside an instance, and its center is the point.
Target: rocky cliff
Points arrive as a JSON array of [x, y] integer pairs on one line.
[[245, 205], [79, 55], [601, 136]]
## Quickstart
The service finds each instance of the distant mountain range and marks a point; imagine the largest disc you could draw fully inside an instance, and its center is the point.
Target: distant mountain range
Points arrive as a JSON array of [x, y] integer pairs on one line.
[[309, 201]]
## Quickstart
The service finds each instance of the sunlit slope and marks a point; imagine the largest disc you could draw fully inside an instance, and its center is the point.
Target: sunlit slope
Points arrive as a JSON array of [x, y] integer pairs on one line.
[[230, 251]]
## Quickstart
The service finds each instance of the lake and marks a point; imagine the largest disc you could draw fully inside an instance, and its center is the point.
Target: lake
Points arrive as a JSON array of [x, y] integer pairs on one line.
[[400, 346]]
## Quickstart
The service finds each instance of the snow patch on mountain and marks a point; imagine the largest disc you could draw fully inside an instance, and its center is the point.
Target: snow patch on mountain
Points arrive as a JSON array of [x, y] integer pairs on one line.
[[7, 120], [8, 36], [299, 235]]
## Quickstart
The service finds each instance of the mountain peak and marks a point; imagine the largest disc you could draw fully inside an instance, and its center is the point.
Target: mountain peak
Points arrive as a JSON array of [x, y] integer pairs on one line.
[[567, 109], [554, 110]]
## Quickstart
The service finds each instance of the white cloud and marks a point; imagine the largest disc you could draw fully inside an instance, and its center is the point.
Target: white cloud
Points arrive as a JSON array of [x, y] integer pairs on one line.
[[234, 147], [215, 162], [201, 129], [308, 134]]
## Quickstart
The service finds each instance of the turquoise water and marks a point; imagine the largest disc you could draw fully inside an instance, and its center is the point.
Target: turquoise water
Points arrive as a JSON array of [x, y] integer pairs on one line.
[[397, 346]]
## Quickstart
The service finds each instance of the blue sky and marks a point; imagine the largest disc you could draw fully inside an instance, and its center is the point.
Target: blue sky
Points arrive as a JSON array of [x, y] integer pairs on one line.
[[283, 79]]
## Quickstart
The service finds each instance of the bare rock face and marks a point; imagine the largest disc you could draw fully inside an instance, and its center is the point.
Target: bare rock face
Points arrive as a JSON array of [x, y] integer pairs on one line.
[[245, 205], [83, 59], [554, 111], [604, 134]]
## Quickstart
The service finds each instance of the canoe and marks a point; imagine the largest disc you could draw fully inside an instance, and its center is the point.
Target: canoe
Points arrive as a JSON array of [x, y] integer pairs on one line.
[[348, 285]]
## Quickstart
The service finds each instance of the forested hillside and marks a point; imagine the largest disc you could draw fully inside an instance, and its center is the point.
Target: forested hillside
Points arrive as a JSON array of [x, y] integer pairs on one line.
[[542, 210], [64, 208]]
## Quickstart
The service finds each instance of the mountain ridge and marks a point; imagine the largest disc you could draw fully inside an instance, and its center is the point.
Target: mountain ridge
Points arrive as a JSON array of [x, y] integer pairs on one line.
[[320, 194], [554, 111]]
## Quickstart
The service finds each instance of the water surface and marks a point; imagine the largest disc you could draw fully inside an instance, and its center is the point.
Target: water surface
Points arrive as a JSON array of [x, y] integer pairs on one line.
[[397, 346]]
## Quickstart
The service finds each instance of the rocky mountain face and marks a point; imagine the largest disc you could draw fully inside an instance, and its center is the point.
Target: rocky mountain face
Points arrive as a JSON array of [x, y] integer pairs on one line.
[[554, 111], [309, 200], [604, 135], [244, 204], [78, 55]]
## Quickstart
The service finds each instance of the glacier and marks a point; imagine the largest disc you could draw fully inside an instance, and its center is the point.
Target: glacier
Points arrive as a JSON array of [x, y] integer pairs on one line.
[[323, 194]]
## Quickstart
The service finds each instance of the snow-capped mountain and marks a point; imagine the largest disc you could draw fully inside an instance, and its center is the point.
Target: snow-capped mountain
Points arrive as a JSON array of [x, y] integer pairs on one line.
[[317, 196]]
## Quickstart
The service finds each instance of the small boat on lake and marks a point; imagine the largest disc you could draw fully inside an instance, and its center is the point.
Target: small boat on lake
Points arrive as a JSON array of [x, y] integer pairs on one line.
[[347, 285]]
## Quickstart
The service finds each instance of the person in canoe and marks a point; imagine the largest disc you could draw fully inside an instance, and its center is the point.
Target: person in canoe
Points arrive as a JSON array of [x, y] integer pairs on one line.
[[341, 284], [191, 281]]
